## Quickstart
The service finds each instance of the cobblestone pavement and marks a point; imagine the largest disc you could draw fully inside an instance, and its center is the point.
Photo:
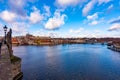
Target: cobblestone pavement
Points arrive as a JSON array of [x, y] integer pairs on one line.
[[5, 64]]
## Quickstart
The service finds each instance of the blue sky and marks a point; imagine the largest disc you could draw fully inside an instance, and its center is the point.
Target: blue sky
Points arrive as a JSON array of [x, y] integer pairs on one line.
[[61, 18]]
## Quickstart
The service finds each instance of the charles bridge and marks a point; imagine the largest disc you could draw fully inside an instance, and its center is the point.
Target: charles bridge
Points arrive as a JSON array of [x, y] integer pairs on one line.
[[10, 65]]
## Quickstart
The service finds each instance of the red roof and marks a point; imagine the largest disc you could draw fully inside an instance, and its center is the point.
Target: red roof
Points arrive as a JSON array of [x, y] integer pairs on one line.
[[14, 40]]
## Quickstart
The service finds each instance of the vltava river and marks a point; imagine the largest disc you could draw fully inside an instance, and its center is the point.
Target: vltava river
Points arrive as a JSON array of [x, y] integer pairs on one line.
[[69, 62]]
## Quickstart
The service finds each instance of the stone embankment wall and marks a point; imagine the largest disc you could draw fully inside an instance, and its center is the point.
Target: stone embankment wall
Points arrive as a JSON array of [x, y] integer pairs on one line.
[[114, 48], [16, 70]]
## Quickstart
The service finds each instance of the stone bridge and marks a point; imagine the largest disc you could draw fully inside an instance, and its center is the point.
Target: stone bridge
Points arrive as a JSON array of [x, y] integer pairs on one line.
[[10, 65], [5, 64]]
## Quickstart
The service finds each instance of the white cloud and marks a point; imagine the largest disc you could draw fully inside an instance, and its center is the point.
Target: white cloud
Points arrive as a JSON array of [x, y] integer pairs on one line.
[[42, 32], [54, 34], [110, 7], [115, 20], [114, 27], [8, 16], [1, 30], [94, 22], [76, 31], [17, 3], [39, 32], [67, 2], [56, 21], [82, 32], [19, 28], [35, 16], [92, 17], [103, 1], [97, 31], [47, 10], [17, 6], [88, 7]]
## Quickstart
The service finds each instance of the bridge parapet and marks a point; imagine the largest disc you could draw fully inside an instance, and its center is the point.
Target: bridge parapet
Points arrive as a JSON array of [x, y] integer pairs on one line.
[[5, 64], [10, 65]]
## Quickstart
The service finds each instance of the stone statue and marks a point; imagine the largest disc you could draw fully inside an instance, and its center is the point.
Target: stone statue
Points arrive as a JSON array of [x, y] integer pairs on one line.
[[9, 41]]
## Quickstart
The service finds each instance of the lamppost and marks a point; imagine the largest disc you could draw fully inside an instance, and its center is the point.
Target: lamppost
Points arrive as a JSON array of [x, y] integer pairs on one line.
[[5, 30]]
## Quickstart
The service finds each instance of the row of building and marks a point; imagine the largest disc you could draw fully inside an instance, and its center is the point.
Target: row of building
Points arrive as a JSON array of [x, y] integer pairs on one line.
[[33, 40], [37, 40]]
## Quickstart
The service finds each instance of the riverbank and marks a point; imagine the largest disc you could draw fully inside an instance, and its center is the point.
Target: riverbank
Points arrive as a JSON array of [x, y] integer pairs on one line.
[[114, 48]]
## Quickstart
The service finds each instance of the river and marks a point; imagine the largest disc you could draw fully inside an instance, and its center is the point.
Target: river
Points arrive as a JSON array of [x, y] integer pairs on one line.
[[69, 62]]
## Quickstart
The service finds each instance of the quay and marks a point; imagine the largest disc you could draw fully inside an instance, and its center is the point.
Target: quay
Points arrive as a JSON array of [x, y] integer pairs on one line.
[[114, 47]]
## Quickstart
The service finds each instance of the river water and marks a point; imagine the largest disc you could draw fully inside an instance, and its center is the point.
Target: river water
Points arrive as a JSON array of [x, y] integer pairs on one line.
[[69, 62]]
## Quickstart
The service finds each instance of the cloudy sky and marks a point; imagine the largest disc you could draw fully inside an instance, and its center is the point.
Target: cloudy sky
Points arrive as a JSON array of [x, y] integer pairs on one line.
[[61, 18]]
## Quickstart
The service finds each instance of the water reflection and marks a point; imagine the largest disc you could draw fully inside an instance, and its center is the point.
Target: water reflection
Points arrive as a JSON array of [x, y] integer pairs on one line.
[[69, 62]]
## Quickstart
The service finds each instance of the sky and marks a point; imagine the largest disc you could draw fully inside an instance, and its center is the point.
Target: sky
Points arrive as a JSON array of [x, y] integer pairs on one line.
[[61, 18]]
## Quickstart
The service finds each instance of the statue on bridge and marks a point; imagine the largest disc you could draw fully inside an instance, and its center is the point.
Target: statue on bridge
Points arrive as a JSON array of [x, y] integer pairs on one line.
[[9, 41]]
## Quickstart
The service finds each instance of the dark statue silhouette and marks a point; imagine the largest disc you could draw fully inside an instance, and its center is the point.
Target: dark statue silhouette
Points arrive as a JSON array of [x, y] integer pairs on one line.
[[9, 41]]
